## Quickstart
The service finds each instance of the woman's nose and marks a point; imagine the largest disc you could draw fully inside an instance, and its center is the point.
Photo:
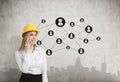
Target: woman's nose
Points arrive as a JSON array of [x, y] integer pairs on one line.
[[34, 37]]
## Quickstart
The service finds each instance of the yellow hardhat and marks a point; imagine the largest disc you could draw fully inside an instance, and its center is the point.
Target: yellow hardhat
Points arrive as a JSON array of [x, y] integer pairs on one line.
[[30, 27]]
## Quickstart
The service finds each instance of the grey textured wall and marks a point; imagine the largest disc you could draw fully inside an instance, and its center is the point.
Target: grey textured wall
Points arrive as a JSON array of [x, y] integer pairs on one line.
[[100, 62]]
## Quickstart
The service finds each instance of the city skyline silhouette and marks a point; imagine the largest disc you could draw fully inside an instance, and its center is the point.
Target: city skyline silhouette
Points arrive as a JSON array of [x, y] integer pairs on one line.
[[73, 73]]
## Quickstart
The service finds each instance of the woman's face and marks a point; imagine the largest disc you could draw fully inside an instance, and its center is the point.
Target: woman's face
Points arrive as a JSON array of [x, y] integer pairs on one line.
[[32, 35]]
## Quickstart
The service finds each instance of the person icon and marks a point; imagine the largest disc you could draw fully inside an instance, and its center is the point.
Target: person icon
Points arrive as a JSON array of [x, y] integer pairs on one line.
[[60, 22]]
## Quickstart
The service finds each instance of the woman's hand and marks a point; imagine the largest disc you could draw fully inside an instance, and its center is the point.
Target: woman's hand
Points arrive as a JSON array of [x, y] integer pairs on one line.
[[27, 45]]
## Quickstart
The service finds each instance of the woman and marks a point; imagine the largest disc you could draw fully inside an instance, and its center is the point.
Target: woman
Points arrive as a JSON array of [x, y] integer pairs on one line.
[[30, 58]]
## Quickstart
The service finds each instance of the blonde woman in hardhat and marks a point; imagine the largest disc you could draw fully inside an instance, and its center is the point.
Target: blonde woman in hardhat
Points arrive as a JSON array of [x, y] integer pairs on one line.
[[30, 58]]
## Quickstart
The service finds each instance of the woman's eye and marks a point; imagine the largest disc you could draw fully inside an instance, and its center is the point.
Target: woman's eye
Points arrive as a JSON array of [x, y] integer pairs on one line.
[[35, 34], [31, 34]]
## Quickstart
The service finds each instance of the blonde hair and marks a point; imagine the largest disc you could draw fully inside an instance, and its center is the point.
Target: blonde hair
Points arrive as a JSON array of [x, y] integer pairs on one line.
[[23, 42]]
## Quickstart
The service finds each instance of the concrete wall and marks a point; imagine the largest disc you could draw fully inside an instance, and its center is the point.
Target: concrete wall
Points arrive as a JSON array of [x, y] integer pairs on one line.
[[100, 62]]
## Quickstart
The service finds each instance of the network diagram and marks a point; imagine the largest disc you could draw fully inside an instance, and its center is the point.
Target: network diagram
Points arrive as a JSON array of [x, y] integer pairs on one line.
[[60, 23]]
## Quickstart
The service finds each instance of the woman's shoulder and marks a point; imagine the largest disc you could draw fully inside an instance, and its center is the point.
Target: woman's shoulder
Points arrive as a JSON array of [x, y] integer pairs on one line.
[[18, 53]]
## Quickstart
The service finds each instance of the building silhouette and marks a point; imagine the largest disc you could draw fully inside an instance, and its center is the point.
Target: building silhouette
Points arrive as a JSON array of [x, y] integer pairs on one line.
[[73, 73], [104, 65], [79, 73]]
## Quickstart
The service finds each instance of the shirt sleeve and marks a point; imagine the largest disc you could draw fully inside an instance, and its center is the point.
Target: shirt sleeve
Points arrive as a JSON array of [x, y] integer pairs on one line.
[[23, 62], [44, 68]]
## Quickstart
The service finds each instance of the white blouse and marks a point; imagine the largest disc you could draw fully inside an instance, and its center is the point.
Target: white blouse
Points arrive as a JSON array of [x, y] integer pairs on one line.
[[33, 63]]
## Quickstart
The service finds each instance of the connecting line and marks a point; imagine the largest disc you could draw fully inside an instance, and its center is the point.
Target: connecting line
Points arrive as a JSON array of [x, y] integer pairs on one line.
[[38, 25], [65, 30], [64, 38], [72, 29], [67, 22], [55, 28], [87, 35], [77, 21], [79, 38], [64, 48], [93, 35], [55, 43], [55, 37], [44, 46], [77, 42], [58, 49], [65, 43], [92, 39], [73, 49], [46, 26], [44, 37], [53, 46], [86, 23], [80, 26], [79, 32]]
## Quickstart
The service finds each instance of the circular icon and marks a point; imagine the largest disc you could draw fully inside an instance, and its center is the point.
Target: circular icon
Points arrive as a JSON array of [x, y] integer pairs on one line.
[[98, 38], [67, 47], [81, 51], [59, 41], [72, 24], [39, 42], [71, 36], [85, 40], [81, 19], [43, 21], [50, 33], [49, 52], [88, 29], [60, 22]]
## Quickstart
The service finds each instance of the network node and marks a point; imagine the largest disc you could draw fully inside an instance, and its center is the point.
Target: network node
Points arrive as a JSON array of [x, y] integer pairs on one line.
[[59, 41], [39, 42], [88, 29], [60, 22], [98, 38], [85, 40], [71, 35], [81, 19], [81, 51], [49, 52], [67, 47], [50, 33], [72, 24], [43, 21]]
